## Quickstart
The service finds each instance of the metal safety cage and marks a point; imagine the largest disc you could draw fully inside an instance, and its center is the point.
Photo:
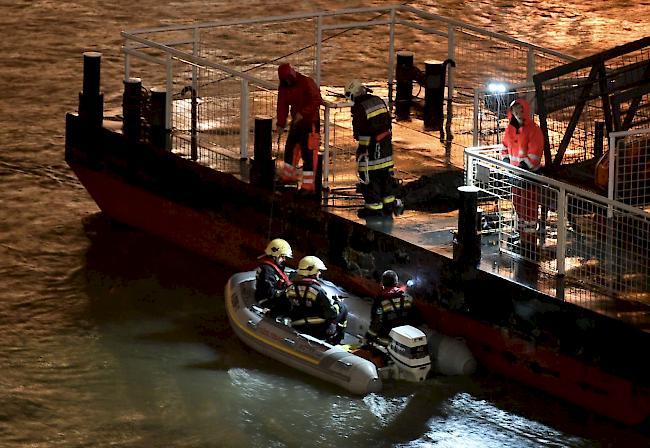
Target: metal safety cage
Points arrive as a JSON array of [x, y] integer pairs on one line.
[[587, 238]]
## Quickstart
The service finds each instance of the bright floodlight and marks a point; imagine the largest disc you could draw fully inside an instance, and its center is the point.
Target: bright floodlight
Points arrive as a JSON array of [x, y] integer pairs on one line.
[[497, 87]]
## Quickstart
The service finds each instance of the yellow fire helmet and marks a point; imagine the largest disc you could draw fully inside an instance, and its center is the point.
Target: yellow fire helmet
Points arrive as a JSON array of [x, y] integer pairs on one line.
[[353, 89], [278, 248], [310, 265]]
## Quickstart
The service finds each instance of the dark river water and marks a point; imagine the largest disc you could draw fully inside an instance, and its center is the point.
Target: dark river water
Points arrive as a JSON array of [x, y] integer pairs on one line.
[[109, 337]]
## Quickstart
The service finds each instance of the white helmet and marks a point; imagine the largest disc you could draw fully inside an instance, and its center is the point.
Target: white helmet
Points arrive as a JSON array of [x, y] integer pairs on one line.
[[278, 248], [354, 89], [310, 265]]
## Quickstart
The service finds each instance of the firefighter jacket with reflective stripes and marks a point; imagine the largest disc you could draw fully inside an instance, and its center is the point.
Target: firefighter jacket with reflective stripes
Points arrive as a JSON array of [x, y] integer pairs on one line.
[[391, 308], [309, 303], [371, 126], [523, 143], [270, 280]]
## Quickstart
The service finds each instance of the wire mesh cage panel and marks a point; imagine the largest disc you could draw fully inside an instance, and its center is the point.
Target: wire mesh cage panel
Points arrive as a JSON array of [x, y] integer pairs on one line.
[[631, 172], [591, 240]]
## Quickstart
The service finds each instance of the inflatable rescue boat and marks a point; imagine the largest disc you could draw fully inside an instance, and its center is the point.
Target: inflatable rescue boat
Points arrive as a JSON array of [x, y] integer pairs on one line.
[[409, 353]]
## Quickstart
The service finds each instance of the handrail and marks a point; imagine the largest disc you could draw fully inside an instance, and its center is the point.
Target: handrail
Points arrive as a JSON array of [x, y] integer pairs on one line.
[[182, 55], [475, 153]]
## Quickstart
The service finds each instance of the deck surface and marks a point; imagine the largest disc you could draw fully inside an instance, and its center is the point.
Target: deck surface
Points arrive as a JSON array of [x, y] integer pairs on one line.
[[433, 231]]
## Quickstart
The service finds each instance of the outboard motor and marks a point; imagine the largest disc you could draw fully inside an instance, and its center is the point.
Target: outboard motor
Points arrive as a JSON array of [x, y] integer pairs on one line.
[[408, 349]]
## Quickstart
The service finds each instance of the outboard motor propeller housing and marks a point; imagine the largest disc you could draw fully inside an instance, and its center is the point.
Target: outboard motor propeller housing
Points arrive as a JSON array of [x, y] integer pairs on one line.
[[408, 349]]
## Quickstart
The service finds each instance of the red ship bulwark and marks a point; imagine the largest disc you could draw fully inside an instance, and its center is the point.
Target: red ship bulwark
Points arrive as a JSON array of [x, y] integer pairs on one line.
[[580, 356]]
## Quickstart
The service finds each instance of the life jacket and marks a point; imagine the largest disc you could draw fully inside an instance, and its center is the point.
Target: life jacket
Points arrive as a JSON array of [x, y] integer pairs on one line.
[[395, 305], [372, 127], [303, 295], [283, 279]]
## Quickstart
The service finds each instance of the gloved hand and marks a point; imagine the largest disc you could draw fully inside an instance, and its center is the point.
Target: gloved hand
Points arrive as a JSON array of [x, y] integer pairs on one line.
[[524, 166], [331, 329], [506, 159]]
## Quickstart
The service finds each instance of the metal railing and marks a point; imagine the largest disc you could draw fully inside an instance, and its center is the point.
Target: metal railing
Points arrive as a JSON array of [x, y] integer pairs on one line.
[[586, 237], [220, 75], [629, 167]]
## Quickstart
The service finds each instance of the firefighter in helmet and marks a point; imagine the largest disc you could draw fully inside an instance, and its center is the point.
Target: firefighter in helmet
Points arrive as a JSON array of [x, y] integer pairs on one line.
[[312, 310], [371, 127], [271, 282], [392, 308]]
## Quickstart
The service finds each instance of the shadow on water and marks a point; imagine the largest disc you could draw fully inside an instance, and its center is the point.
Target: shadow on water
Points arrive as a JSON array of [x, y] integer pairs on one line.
[[172, 296], [133, 278]]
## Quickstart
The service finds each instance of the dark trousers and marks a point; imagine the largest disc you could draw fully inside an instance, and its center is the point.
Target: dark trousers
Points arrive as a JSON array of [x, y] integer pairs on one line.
[[380, 192]]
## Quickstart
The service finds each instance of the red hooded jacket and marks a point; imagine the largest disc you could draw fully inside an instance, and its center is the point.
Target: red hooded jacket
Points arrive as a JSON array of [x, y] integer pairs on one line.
[[523, 142], [303, 96]]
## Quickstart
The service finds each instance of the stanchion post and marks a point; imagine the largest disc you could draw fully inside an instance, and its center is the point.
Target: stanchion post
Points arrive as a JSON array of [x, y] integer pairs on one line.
[[467, 244], [132, 108], [91, 100], [404, 85], [159, 135], [263, 165]]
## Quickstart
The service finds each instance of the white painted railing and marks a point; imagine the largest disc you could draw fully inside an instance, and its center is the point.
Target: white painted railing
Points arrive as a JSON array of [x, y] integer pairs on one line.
[[233, 84], [587, 237]]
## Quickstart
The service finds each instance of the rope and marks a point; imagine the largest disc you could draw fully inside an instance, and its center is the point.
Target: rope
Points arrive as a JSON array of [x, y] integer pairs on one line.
[[268, 236]]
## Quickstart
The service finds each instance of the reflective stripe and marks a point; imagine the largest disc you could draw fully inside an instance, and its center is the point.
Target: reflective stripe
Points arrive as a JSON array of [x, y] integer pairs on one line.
[[377, 112], [377, 164], [364, 140], [388, 199], [374, 206], [372, 166]]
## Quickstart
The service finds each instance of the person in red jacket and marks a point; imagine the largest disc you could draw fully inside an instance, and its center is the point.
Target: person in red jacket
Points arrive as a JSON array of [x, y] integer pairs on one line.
[[299, 95], [523, 146]]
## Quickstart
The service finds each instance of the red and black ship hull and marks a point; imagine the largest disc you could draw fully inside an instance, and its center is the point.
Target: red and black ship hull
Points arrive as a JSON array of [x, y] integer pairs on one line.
[[585, 358]]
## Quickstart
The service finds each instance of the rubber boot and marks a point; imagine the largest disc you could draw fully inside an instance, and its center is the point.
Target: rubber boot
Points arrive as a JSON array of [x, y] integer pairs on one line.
[[398, 207]]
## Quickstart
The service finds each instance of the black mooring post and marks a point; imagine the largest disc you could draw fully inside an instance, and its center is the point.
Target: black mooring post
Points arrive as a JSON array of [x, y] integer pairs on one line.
[[434, 94], [404, 84], [132, 108], [263, 165], [467, 247], [159, 135], [91, 100], [599, 135]]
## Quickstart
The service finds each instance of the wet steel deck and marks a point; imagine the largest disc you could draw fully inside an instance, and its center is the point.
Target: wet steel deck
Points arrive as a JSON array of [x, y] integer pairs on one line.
[[433, 231]]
